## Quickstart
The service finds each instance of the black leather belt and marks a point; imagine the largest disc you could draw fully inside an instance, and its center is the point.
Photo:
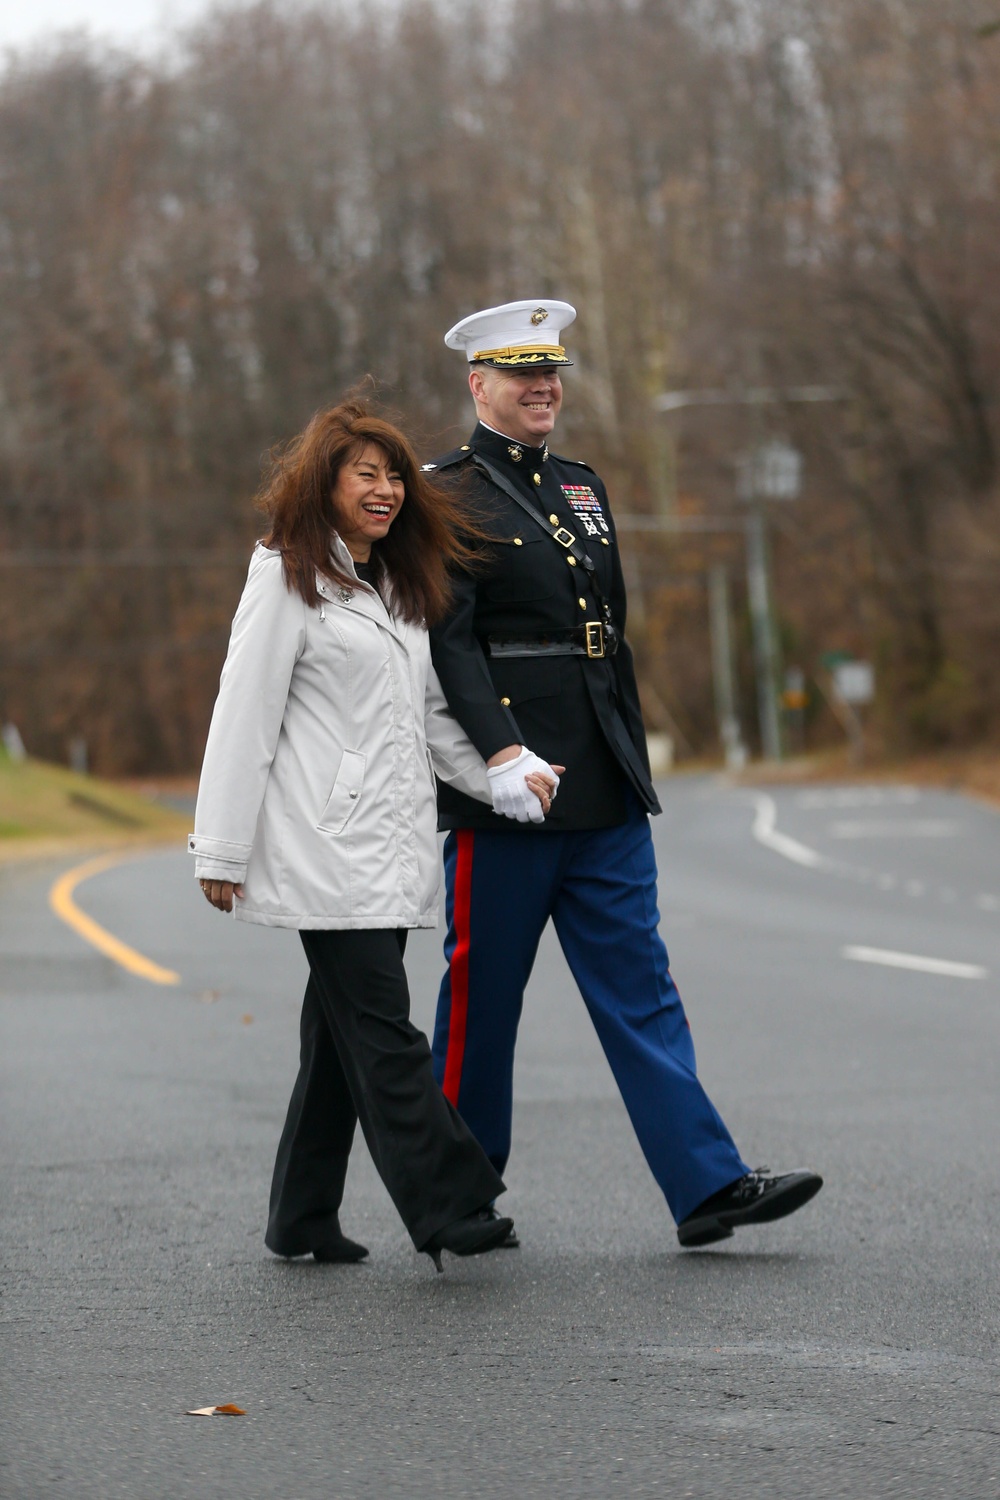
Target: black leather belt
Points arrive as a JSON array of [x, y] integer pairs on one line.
[[592, 638]]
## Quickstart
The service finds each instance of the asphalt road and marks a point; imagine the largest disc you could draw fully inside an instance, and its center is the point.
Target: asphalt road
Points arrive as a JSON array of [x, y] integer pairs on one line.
[[849, 1351]]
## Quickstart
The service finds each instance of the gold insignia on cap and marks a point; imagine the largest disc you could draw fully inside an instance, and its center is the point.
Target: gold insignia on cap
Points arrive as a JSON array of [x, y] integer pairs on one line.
[[539, 315], [515, 452]]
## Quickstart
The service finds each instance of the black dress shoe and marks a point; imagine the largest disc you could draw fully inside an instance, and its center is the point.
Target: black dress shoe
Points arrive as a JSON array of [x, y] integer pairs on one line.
[[471, 1235], [489, 1215], [756, 1198]]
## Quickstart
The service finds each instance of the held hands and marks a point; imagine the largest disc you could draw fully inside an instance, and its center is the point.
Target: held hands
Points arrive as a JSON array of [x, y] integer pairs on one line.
[[523, 786], [219, 893]]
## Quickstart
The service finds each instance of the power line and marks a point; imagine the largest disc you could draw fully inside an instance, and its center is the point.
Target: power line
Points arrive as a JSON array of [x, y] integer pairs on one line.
[[754, 395], [115, 651], [679, 523], [69, 558]]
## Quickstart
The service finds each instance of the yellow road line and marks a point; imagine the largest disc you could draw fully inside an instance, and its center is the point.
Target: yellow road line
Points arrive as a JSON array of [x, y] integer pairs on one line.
[[62, 903]]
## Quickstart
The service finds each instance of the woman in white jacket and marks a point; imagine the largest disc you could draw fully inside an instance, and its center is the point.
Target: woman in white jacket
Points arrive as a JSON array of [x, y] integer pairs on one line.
[[316, 810]]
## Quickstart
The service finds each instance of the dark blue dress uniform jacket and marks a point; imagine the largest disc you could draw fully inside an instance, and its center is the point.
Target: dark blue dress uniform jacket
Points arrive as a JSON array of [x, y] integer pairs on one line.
[[571, 710]]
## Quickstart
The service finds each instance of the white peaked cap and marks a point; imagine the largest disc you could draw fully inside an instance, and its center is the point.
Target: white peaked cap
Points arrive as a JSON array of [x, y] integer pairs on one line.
[[517, 335]]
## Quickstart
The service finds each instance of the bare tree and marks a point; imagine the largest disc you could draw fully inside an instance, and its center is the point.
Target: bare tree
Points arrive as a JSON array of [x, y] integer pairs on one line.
[[193, 258]]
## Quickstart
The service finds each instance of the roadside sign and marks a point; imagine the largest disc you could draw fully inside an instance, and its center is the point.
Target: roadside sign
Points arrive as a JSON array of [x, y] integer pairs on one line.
[[854, 681]]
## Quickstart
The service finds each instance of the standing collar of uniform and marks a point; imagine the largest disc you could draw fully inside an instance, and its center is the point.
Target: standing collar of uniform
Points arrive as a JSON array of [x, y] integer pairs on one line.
[[499, 448]]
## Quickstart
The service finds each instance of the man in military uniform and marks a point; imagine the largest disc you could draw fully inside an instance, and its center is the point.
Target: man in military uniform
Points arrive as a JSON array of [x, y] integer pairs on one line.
[[536, 669]]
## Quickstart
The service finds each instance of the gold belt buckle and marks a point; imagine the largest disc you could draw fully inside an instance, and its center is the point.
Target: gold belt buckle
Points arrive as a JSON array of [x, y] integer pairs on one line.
[[563, 537], [594, 636]]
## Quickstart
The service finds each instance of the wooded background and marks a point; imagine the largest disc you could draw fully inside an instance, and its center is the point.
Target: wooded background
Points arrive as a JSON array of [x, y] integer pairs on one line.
[[198, 252]]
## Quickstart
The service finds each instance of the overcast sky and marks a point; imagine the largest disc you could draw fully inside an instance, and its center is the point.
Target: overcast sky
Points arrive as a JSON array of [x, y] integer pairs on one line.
[[130, 22]]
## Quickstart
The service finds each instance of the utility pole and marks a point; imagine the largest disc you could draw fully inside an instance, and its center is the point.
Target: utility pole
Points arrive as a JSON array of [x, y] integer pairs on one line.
[[722, 668], [771, 471], [765, 655]]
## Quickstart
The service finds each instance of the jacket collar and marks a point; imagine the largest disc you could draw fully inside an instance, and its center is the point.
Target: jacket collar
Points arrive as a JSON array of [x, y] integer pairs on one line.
[[505, 452], [363, 599]]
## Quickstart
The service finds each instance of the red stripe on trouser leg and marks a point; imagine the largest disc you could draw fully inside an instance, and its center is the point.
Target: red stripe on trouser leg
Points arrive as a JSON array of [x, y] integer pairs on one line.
[[459, 967]]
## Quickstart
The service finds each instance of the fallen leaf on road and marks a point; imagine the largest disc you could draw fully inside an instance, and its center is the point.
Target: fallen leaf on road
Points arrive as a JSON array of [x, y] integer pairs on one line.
[[229, 1410]]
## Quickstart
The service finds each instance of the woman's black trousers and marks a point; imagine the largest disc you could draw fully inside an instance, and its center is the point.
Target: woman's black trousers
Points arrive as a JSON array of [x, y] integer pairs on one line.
[[363, 1060]]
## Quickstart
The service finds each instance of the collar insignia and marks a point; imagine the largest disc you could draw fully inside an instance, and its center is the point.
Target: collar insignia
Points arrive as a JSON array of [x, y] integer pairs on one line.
[[515, 452]]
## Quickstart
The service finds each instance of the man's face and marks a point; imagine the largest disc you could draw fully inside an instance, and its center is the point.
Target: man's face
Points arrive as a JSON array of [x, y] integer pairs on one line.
[[522, 404]]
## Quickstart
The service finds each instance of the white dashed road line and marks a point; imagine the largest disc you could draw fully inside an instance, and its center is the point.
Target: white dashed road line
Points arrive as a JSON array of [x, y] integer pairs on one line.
[[915, 961], [863, 796], [883, 828], [766, 832]]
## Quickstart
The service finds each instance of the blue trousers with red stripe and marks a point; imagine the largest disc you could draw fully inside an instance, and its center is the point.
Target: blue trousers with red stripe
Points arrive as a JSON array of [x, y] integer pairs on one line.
[[599, 888]]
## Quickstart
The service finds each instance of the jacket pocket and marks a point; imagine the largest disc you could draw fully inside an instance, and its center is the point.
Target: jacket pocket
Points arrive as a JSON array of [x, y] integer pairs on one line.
[[523, 569], [520, 678], [346, 792]]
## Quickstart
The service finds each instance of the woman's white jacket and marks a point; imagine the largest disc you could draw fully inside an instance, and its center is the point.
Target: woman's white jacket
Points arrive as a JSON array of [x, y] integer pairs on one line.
[[317, 789]]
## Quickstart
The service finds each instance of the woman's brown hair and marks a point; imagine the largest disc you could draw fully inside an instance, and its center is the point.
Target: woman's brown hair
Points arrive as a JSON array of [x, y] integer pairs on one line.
[[423, 542]]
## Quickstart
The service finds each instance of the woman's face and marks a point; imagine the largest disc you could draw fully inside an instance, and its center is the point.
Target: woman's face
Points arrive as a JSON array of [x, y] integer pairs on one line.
[[366, 497]]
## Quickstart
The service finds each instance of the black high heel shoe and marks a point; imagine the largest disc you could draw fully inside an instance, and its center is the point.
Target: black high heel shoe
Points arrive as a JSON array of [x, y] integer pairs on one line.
[[339, 1249], [334, 1246], [470, 1235]]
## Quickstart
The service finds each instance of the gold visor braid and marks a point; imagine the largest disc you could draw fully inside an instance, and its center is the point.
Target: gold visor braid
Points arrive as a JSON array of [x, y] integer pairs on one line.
[[522, 353]]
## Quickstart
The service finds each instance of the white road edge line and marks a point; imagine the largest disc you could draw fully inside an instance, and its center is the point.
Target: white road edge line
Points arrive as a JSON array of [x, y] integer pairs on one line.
[[765, 832], [893, 960]]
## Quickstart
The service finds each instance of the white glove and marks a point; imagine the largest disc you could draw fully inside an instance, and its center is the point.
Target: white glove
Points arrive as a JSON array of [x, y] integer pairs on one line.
[[512, 797]]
